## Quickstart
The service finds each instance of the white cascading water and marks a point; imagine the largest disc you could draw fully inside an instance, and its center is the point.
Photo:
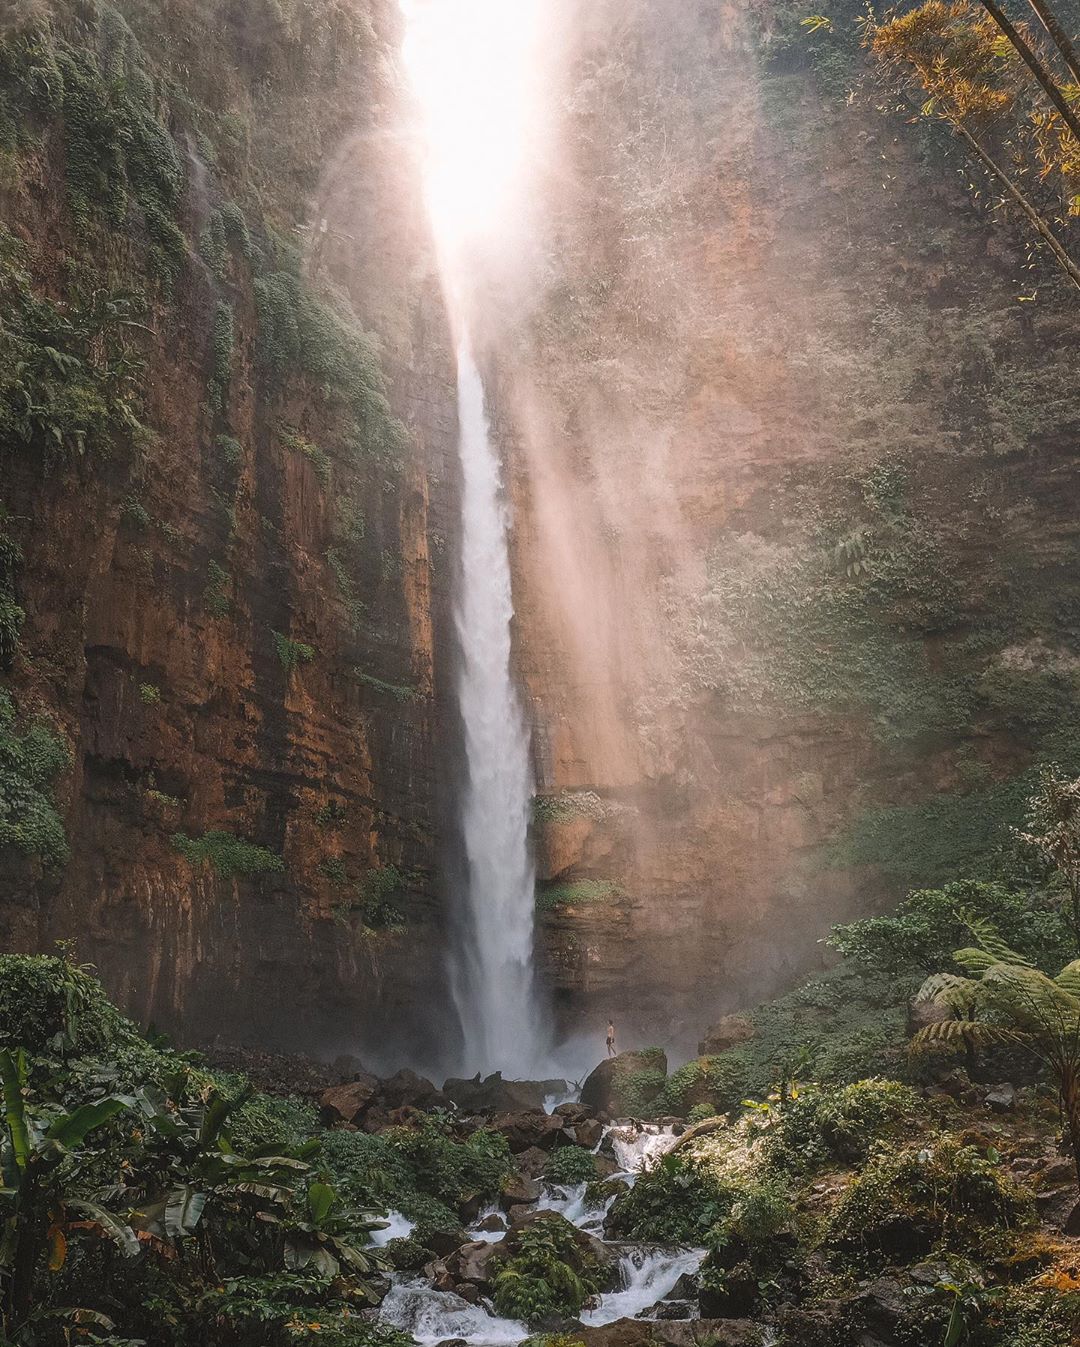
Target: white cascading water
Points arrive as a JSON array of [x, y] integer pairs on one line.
[[493, 978]]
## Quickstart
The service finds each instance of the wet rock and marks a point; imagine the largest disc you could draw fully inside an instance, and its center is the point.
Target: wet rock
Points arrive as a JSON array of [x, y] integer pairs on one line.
[[883, 1305], [515, 1215], [600, 1093], [406, 1089], [638, 1332], [519, 1191], [736, 1300], [527, 1130], [1002, 1098], [531, 1163], [492, 1224], [673, 1309], [573, 1113], [605, 1255], [588, 1132], [492, 1094], [438, 1275], [445, 1242], [727, 1032], [470, 1209], [818, 1326], [473, 1263], [454, 1342], [469, 1293], [347, 1103]]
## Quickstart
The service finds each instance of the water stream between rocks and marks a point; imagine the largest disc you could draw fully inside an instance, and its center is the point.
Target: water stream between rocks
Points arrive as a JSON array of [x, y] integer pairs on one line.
[[646, 1273]]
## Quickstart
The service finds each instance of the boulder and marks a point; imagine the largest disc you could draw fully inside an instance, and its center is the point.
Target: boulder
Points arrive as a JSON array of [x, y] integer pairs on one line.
[[588, 1132], [527, 1129], [573, 1113], [1001, 1099], [473, 1263], [492, 1094], [437, 1274], [727, 1032], [443, 1243], [600, 1093], [605, 1255], [531, 1163], [639, 1332], [405, 1089], [883, 1305], [347, 1103], [471, 1296], [519, 1191]]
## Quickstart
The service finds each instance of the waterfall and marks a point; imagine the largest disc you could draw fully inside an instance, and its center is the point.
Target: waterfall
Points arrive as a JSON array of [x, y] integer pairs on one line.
[[492, 966]]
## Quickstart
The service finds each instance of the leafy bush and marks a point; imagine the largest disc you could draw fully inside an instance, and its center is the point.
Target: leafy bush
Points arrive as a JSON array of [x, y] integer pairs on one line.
[[905, 1203], [700, 1112], [48, 1003], [679, 1200], [30, 762], [267, 1120], [216, 593], [292, 653], [227, 855], [546, 1273], [570, 1165], [925, 929], [844, 1124]]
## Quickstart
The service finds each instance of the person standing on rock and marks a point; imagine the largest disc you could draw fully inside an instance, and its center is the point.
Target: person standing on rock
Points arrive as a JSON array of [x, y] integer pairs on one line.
[[611, 1038]]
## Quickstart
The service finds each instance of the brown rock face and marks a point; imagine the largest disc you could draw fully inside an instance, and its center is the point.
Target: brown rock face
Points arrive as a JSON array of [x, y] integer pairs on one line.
[[601, 1091], [727, 1032], [346, 1103]]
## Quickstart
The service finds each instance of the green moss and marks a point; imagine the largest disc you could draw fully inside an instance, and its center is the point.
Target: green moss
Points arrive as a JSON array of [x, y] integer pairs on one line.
[[577, 893], [398, 691], [228, 856], [31, 760], [292, 653], [216, 594], [149, 694], [222, 341], [300, 444]]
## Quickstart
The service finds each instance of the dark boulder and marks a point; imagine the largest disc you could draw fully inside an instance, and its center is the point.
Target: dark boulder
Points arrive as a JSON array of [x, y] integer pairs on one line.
[[405, 1089], [528, 1130], [602, 1091], [347, 1103]]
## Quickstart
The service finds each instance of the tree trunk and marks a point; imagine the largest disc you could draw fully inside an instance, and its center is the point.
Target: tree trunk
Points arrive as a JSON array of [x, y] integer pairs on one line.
[[1045, 232], [1036, 66], [1061, 39]]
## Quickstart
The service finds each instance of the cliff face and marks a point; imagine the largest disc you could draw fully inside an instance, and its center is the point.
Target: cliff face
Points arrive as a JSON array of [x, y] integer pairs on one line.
[[232, 603], [794, 444]]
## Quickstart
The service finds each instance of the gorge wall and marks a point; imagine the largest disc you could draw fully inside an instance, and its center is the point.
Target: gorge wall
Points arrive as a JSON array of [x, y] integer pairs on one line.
[[792, 442]]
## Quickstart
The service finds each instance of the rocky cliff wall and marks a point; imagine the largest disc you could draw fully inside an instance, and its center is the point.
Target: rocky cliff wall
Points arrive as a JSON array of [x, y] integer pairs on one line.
[[233, 584], [794, 437]]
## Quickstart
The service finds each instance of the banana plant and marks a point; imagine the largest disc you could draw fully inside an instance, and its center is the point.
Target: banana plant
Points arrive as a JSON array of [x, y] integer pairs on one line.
[[190, 1175], [38, 1212], [322, 1237]]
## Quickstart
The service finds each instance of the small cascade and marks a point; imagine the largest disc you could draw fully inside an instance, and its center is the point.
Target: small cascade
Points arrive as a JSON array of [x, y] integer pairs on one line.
[[648, 1274], [639, 1145], [437, 1316], [570, 1202], [397, 1227]]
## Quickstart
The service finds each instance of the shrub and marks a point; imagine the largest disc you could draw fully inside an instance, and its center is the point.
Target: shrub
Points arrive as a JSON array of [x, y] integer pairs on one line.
[[47, 1002], [679, 1201], [545, 1274], [700, 1112], [905, 1203], [292, 653], [821, 1125], [30, 762], [215, 595], [149, 694], [272, 1120], [570, 1165], [925, 929], [227, 855]]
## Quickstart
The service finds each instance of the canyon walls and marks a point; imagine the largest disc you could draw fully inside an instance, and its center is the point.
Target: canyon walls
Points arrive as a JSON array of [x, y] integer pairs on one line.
[[791, 438]]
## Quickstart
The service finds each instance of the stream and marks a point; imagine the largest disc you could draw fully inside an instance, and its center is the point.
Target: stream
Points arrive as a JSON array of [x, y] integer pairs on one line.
[[646, 1272]]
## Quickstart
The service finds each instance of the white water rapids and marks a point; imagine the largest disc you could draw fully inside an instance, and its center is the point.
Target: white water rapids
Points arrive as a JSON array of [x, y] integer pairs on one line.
[[493, 977], [646, 1273]]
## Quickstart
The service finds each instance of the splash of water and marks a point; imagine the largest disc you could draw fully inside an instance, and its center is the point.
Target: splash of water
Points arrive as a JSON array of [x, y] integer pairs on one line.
[[493, 976]]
